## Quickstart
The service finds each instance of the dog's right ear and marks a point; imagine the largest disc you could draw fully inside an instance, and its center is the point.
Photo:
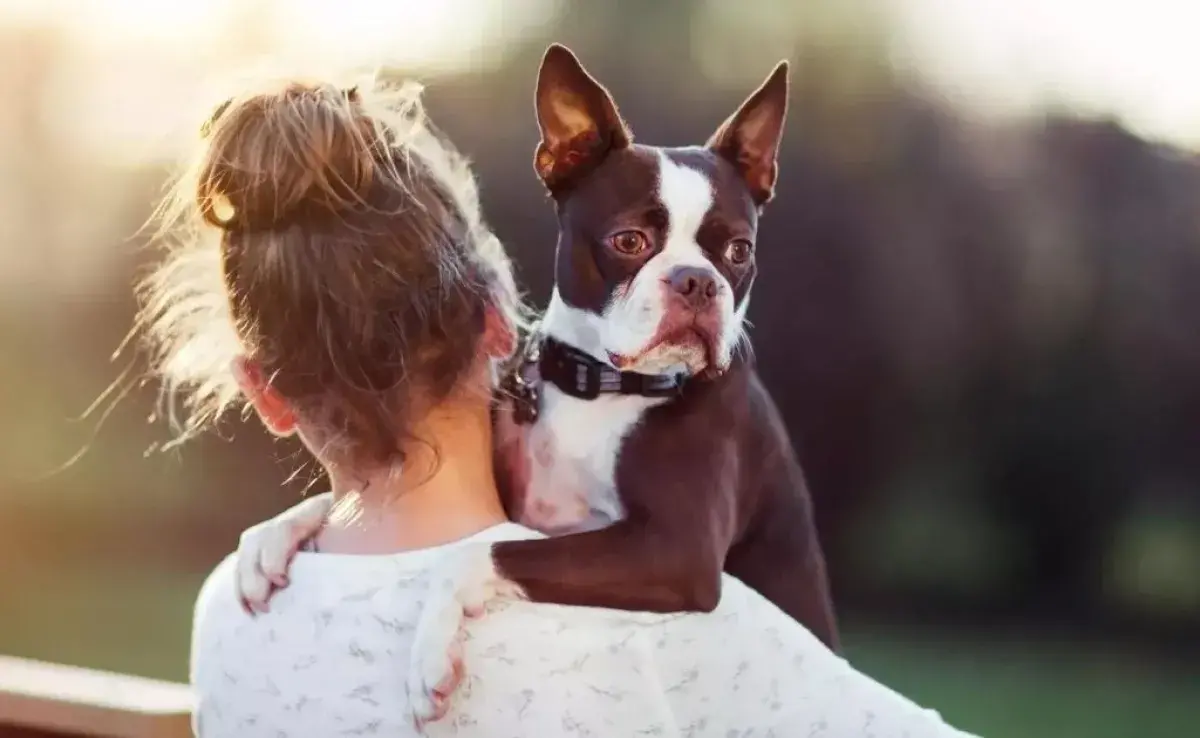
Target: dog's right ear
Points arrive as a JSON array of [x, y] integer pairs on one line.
[[578, 119]]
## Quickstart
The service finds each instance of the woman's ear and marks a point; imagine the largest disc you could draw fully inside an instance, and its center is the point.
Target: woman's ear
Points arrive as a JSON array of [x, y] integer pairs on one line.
[[272, 408], [499, 335]]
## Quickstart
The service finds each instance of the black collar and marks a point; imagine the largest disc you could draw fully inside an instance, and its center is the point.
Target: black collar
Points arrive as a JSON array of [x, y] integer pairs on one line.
[[579, 375], [583, 376]]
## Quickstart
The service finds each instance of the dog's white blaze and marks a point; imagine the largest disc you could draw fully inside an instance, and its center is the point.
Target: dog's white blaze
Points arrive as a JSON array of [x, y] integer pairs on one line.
[[687, 194], [632, 319]]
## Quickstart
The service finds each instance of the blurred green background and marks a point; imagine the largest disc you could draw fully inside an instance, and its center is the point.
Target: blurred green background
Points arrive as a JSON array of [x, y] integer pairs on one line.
[[977, 310]]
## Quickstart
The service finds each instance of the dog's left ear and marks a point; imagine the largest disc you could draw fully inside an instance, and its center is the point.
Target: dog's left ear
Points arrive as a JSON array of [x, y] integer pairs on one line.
[[749, 139], [578, 119]]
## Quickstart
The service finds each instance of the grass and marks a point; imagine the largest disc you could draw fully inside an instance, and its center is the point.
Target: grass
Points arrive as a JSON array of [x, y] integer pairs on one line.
[[107, 619], [137, 622], [1030, 689]]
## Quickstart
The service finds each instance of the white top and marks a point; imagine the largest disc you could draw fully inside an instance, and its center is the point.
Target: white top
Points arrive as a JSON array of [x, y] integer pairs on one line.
[[329, 660]]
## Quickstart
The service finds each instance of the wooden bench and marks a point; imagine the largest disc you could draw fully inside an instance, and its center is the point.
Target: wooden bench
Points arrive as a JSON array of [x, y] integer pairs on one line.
[[41, 700]]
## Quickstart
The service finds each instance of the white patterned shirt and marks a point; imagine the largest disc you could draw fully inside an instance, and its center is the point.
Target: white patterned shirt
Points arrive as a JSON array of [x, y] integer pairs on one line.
[[330, 659]]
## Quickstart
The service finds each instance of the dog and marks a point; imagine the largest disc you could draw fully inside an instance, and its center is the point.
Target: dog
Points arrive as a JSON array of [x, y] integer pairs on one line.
[[633, 425]]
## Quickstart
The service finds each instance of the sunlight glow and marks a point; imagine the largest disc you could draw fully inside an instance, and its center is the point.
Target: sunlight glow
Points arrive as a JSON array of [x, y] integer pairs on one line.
[[400, 31], [424, 32], [146, 70], [1134, 60], [1131, 60], [121, 21]]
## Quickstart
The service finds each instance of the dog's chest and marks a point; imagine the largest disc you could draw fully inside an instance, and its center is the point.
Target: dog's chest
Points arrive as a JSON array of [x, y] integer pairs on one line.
[[563, 465]]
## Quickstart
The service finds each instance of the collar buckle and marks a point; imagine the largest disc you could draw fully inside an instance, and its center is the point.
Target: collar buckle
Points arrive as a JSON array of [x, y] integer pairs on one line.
[[587, 383]]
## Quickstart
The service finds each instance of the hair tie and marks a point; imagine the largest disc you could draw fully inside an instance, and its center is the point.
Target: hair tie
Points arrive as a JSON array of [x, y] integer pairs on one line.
[[206, 126], [222, 209]]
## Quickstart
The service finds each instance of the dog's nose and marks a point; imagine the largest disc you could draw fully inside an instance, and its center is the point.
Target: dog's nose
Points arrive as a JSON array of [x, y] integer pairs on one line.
[[697, 286]]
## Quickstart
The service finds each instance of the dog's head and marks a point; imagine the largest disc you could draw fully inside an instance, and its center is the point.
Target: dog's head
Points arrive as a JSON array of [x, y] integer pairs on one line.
[[656, 248]]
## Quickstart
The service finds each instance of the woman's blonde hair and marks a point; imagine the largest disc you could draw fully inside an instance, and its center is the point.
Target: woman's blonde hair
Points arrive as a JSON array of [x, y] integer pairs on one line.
[[335, 238]]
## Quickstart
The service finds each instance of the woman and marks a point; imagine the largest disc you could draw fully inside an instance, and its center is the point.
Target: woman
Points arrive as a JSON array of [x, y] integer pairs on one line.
[[342, 282]]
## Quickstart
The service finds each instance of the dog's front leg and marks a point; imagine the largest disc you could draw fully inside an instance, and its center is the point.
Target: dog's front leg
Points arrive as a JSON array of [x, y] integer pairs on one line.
[[631, 565], [665, 555]]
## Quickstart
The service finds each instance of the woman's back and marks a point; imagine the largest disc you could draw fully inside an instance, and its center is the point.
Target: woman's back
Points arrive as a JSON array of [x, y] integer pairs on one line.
[[328, 659], [331, 659]]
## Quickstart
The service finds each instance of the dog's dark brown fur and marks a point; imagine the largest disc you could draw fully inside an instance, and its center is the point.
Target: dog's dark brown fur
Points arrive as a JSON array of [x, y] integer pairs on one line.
[[742, 507]]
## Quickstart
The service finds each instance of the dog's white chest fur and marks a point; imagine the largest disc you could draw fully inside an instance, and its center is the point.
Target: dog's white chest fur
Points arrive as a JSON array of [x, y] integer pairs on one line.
[[566, 461]]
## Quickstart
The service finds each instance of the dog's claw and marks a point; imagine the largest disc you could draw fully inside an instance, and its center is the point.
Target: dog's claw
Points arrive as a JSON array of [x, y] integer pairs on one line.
[[432, 683], [445, 688]]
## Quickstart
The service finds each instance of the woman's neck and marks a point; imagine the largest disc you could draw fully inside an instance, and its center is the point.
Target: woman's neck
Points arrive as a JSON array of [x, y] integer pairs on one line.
[[446, 491]]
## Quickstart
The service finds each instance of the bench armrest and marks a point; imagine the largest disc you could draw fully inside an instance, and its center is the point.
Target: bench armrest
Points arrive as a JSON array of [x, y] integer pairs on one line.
[[53, 699]]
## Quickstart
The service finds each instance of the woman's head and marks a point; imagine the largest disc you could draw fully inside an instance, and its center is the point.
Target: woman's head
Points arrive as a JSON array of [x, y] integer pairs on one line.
[[333, 269]]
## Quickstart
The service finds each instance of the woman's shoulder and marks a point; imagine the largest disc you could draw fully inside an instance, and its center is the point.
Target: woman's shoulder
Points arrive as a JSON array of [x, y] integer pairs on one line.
[[218, 593], [215, 611], [658, 672], [746, 635], [746, 663]]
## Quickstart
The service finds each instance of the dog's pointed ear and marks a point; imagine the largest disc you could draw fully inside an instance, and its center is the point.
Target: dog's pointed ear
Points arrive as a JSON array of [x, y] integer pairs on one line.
[[750, 138], [578, 119]]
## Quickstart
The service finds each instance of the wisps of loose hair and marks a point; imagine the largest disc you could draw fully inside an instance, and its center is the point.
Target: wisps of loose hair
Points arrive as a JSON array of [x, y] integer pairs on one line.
[[334, 236]]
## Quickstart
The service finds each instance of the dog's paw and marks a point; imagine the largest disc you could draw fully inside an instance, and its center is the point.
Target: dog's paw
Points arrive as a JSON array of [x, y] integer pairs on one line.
[[265, 550], [434, 680], [460, 589]]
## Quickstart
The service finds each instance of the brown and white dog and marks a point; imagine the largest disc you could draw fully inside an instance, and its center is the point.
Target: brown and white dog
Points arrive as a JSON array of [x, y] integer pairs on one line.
[[635, 429]]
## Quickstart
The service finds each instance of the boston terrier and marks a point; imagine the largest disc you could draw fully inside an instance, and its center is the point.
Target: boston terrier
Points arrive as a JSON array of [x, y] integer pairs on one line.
[[633, 426]]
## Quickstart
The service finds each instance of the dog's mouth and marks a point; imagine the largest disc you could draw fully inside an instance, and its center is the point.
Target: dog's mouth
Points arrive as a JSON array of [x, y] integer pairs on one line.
[[690, 346]]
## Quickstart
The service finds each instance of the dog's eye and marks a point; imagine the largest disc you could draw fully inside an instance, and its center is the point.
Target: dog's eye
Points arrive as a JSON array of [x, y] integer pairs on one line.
[[739, 251], [629, 243]]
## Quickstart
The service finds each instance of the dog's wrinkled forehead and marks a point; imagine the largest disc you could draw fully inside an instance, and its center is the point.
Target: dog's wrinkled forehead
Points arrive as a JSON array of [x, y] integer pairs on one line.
[[678, 196]]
